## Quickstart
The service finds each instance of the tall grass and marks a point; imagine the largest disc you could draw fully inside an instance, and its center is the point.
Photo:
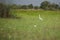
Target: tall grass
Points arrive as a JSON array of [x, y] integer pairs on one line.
[[23, 29]]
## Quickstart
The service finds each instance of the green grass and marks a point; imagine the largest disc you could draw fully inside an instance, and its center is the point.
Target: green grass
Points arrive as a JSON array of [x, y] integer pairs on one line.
[[23, 28]]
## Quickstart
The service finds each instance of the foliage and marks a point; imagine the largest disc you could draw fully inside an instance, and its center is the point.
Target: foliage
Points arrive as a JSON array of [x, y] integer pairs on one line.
[[36, 7], [30, 6], [49, 6], [44, 5], [23, 7], [4, 10]]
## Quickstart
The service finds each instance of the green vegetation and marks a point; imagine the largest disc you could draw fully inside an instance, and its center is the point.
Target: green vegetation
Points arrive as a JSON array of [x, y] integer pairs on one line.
[[23, 28], [45, 5], [49, 6], [4, 11], [21, 22]]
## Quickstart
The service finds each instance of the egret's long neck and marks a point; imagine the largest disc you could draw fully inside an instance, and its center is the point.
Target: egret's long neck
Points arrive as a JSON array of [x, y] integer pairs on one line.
[[39, 16]]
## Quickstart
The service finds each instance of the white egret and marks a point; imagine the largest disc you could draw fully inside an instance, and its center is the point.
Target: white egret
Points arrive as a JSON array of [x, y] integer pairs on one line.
[[40, 18]]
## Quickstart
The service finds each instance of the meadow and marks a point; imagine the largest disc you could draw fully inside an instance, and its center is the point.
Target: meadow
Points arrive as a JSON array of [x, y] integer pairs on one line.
[[23, 28]]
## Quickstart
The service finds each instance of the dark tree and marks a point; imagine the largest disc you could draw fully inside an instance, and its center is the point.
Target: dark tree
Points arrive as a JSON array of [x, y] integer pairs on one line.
[[45, 4], [23, 7], [36, 7], [30, 6], [13, 6], [49, 6], [4, 10]]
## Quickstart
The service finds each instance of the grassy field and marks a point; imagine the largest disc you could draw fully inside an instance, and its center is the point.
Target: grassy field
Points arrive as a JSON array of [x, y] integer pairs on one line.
[[23, 28]]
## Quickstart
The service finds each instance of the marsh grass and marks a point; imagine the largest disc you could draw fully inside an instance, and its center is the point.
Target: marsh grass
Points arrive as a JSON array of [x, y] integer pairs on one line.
[[23, 29]]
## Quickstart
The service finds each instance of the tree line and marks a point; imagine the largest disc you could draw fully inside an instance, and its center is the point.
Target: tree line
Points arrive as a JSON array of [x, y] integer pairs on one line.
[[49, 6], [45, 5]]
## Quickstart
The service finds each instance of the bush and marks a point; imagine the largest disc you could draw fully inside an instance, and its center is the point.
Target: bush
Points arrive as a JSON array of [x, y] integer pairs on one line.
[[4, 11]]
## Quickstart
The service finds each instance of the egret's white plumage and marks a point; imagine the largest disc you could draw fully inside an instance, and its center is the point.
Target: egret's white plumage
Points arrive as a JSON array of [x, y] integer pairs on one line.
[[40, 18], [35, 25]]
